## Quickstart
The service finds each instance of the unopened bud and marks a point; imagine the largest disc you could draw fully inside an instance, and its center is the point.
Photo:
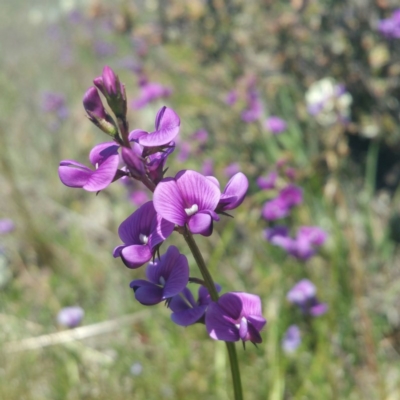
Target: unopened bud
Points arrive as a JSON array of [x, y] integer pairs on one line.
[[97, 113], [108, 83]]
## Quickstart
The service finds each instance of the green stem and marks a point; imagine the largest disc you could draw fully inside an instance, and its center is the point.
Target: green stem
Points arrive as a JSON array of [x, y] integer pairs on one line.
[[236, 381], [209, 283]]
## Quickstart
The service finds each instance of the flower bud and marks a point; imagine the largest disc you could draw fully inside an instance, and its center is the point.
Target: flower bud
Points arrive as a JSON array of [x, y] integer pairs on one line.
[[97, 113], [108, 83]]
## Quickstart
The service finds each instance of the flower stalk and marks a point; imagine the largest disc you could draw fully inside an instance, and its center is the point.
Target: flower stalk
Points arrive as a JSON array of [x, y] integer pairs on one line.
[[209, 283]]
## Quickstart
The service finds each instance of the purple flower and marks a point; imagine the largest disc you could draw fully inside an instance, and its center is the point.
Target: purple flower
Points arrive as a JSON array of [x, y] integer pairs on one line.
[[167, 277], [275, 125], [6, 226], [70, 317], [267, 182], [303, 246], [189, 198], [184, 153], [138, 197], [200, 136], [280, 207], [292, 339], [54, 103], [167, 127], [390, 27], [141, 233], [303, 294], [150, 91], [104, 157], [187, 311], [253, 111], [275, 209], [97, 113], [234, 193], [207, 167], [232, 169], [231, 98], [114, 92], [236, 316]]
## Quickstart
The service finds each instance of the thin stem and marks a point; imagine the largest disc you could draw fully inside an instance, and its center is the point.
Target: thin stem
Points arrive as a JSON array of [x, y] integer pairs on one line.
[[209, 283], [236, 381]]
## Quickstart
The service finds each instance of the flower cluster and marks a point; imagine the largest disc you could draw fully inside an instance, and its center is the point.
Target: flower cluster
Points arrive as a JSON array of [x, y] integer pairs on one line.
[[303, 295], [188, 203], [308, 238]]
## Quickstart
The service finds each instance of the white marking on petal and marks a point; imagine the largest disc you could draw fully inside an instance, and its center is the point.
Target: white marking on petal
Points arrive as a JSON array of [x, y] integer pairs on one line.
[[97, 165], [143, 238], [162, 281], [192, 210]]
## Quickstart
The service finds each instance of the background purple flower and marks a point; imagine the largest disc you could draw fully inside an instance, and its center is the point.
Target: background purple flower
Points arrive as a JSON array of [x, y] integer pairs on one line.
[[6, 225], [70, 317], [292, 339], [303, 294], [275, 124], [267, 182]]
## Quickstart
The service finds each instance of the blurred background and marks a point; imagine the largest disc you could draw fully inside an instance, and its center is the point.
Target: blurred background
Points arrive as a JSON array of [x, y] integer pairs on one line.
[[300, 93]]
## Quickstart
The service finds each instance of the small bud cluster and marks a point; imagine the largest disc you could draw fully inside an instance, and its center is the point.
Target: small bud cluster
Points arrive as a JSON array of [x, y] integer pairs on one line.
[[188, 203]]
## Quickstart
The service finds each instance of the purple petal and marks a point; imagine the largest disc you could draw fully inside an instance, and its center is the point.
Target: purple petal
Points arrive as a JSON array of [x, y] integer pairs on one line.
[[292, 339], [235, 190], [73, 174], [169, 203], [167, 127], [135, 256], [218, 327], [318, 309], [136, 134], [201, 223], [102, 151], [197, 189], [189, 316], [146, 293], [301, 292], [275, 209], [182, 301], [139, 222]]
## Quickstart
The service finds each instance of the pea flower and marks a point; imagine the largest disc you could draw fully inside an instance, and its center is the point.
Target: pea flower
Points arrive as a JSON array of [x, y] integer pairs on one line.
[[292, 339], [166, 278], [142, 232], [104, 157], [234, 192], [303, 294], [275, 125], [303, 246], [70, 317], [390, 27], [267, 182], [167, 127], [280, 206], [188, 199], [6, 225], [149, 92], [188, 311], [236, 316]]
